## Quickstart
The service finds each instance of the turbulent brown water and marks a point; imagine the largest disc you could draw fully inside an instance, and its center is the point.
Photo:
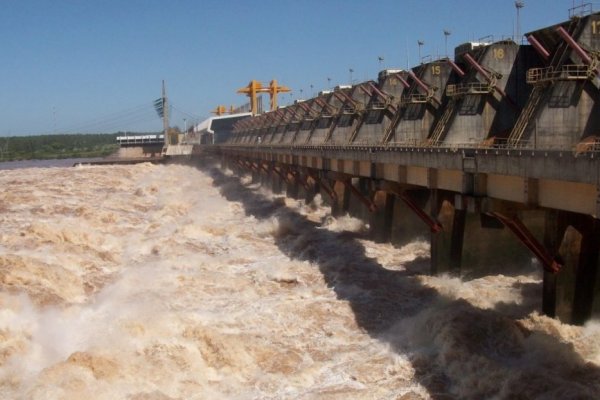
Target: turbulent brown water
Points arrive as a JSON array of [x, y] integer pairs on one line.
[[168, 282]]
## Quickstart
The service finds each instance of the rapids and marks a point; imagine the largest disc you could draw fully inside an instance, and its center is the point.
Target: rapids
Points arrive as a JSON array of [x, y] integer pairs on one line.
[[171, 282]]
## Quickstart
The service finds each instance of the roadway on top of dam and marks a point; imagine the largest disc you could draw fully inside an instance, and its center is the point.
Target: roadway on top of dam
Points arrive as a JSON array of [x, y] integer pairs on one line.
[[557, 164]]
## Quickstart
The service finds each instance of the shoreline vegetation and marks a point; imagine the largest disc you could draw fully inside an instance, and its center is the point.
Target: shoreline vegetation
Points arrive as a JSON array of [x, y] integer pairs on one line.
[[48, 147]]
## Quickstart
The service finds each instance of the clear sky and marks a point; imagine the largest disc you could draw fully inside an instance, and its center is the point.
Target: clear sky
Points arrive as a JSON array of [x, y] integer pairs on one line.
[[72, 66]]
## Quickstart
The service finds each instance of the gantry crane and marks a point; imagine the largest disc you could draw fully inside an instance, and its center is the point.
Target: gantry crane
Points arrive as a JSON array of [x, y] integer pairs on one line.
[[254, 88], [274, 89], [221, 110], [252, 91]]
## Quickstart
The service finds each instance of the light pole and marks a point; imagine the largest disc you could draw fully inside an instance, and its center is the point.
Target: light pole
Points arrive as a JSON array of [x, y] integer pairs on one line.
[[351, 71], [328, 82], [380, 59], [420, 43], [518, 5], [446, 34]]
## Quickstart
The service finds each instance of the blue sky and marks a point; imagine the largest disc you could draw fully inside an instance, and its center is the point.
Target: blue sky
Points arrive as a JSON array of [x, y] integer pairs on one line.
[[96, 66]]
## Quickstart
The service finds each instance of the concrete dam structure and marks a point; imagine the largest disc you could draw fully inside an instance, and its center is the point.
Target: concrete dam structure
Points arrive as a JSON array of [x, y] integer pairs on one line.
[[491, 155]]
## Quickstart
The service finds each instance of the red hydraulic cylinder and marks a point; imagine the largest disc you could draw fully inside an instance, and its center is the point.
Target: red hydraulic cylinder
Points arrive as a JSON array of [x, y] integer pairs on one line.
[[365, 91], [366, 201], [487, 76], [456, 68], [308, 109], [402, 80], [340, 97], [324, 104], [574, 45], [299, 179], [349, 98], [524, 235], [379, 92], [538, 46], [434, 225], [281, 175], [419, 82], [478, 67], [326, 187]]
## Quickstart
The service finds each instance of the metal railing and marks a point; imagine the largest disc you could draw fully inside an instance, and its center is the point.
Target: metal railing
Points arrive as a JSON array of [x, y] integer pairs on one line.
[[377, 105], [463, 89], [581, 10], [589, 146], [415, 98], [562, 73]]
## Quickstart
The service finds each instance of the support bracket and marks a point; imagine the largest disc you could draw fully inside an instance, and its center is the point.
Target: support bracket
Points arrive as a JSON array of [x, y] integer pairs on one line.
[[363, 199], [323, 185], [525, 236], [434, 225]]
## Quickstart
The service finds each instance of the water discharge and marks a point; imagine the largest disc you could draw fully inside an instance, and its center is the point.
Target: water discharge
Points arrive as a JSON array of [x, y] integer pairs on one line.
[[169, 282]]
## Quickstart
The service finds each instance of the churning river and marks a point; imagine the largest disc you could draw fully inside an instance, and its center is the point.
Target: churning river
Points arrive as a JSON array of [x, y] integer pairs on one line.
[[170, 282]]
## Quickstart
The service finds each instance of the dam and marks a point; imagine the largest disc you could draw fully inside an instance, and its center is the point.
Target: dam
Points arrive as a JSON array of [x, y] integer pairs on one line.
[[491, 155]]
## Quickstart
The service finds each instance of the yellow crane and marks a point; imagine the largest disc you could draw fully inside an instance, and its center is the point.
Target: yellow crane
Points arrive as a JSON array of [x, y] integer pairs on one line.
[[252, 91], [254, 88], [274, 89], [221, 110]]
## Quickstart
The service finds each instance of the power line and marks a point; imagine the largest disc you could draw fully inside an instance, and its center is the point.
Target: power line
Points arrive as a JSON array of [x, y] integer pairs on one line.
[[125, 117], [189, 114]]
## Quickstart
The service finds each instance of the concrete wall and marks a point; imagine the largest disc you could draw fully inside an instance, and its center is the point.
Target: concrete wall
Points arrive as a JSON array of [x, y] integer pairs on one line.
[[571, 113], [140, 151], [482, 116], [303, 133], [321, 130], [278, 134], [343, 130], [290, 131], [418, 118]]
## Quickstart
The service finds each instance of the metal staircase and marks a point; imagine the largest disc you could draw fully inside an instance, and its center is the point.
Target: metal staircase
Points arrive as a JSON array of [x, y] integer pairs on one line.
[[440, 126], [391, 128], [526, 115], [361, 121]]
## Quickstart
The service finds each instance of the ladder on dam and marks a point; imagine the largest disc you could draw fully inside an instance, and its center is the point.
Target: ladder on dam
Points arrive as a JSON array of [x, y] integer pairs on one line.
[[441, 125], [526, 115], [359, 124], [391, 129], [540, 88]]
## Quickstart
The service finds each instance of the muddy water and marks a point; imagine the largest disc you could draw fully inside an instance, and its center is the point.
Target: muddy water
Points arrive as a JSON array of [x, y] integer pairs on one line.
[[167, 282]]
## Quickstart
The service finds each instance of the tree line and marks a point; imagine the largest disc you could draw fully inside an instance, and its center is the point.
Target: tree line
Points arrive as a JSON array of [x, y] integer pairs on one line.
[[43, 147]]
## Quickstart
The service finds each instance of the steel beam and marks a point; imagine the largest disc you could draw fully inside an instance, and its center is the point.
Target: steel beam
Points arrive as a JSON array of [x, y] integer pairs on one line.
[[363, 199], [330, 192], [434, 225], [525, 236]]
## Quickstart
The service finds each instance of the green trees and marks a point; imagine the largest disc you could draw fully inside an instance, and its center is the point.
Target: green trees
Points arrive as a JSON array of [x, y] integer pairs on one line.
[[59, 146]]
